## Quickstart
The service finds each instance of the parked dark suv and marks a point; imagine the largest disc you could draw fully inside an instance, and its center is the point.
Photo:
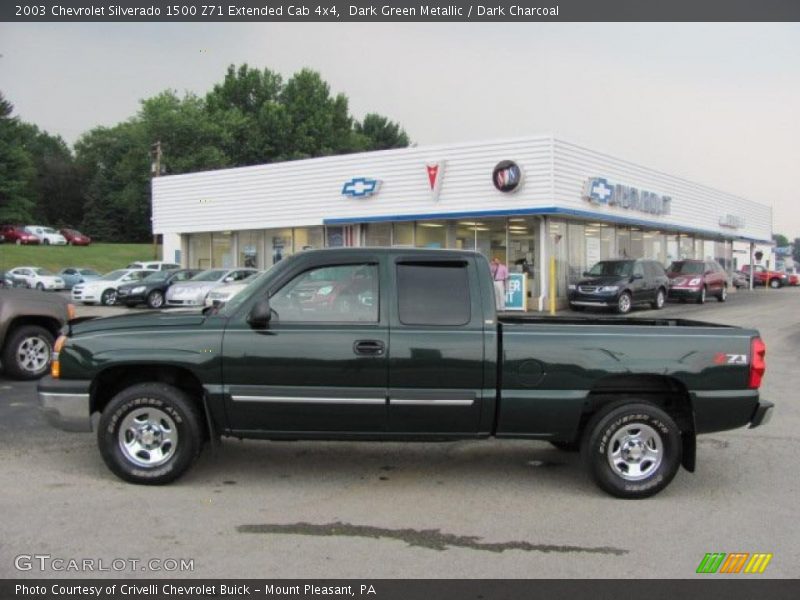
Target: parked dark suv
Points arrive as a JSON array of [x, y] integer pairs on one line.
[[620, 284], [696, 280]]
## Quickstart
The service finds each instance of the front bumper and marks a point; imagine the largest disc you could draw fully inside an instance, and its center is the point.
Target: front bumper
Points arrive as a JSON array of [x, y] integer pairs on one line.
[[65, 403], [593, 299], [762, 414], [684, 292]]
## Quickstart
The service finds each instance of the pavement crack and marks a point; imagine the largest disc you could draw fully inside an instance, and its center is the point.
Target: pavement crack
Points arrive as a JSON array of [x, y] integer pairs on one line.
[[433, 539]]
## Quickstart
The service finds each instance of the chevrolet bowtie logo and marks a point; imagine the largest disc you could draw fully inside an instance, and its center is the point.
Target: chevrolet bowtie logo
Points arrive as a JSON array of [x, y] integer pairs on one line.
[[358, 187]]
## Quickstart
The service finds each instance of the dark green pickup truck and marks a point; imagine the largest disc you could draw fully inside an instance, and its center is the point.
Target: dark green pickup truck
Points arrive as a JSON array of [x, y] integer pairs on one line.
[[401, 344]]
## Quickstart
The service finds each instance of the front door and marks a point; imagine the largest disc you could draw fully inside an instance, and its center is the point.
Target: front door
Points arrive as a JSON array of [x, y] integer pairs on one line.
[[436, 348], [321, 364]]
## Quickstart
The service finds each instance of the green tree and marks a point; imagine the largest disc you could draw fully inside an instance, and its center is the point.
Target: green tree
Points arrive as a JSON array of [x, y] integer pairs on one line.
[[381, 134], [16, 169], [780, 240]]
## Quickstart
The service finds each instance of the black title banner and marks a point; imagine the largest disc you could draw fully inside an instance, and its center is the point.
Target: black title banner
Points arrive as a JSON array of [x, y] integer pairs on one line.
[[329, 11], [383, 589]]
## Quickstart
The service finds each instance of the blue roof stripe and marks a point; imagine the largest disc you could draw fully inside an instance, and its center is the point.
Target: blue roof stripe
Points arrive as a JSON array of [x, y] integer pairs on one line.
[[545, 210]]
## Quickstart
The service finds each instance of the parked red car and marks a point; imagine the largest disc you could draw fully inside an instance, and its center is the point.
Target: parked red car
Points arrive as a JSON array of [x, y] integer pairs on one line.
[[761, 276], [76, 238], [696, 280], [17, 235]]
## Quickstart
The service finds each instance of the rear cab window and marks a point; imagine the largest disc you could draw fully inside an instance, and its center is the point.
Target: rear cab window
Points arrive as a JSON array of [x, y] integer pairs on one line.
[[433, 293]]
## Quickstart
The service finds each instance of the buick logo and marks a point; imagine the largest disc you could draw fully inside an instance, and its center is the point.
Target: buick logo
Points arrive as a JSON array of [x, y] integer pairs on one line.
[[507, 176]]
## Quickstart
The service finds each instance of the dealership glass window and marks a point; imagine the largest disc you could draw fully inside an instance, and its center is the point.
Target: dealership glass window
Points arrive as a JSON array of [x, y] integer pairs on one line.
[[250, 249], [556, 231], [222, 250], [278, 245], [576, 251], [608, 242], [491, 239], [403, 233], [637, 243], [624, 242], [199, 250], [465, 234], [378, 234], [334, 237], [431, 234], [723, 254], [523, 250], [308, 238], [654, 246], [672, 249], [698, 249], [686, 246], [592, 244]]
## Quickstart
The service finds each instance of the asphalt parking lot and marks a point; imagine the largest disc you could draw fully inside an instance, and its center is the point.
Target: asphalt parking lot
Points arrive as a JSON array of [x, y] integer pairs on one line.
[[454, 510]]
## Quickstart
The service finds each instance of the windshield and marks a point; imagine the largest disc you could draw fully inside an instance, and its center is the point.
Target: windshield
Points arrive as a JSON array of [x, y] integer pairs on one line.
[[114, 275], [42, 271], [157, 276], [89, 272], [213, 275], [619, 268], [49, 230], [686, 267]]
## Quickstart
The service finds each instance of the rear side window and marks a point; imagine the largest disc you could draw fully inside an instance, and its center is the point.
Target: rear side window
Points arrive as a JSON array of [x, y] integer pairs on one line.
[[433, 293]]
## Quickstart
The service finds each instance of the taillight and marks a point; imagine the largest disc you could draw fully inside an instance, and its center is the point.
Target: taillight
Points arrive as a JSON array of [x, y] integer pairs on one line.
[[55, 363], [758, 350]]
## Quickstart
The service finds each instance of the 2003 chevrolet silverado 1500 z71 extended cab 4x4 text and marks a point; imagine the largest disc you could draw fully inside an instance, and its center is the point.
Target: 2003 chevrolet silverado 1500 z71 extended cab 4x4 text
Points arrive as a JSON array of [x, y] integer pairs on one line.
[[399, 344]]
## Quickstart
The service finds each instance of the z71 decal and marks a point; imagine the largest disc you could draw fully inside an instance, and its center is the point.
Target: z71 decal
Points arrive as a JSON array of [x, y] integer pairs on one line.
[[721, 358]]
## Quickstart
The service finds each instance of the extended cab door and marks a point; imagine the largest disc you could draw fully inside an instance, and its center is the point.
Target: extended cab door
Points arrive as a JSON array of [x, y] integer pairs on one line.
[[321, 363], [436, 347]]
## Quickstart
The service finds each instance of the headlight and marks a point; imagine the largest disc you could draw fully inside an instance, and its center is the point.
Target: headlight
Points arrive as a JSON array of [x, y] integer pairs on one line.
[[608, 288], [571, 286], [138, 289], [695, 281]]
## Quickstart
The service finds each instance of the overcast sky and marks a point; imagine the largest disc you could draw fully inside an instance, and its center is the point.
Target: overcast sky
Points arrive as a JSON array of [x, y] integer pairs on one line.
[[715, 103]]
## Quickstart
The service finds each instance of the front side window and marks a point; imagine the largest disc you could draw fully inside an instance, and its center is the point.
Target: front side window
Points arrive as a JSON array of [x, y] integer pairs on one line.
[[330, 294], [433, 294]]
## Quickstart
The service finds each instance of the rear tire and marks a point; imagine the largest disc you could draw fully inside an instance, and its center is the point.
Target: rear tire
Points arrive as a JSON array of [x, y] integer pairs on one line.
[[632, 449], [150, 433], [660, 299], [46, 242]]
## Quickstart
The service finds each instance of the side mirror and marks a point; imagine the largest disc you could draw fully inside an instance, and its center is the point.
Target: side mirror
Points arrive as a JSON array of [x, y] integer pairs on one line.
[[260, 314], [227, 280]]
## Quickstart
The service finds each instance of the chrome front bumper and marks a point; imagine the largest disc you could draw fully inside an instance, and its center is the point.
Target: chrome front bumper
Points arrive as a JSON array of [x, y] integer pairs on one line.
[[67, 409]]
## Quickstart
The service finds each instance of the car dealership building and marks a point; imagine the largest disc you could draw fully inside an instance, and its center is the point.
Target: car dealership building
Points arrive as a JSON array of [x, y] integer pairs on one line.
[[523, 200]]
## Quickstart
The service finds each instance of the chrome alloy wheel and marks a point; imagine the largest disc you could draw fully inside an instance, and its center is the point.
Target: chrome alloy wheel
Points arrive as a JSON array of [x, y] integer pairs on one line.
[[635, 452], [660, 299], [624, 303], [148, 437], [33, 354]]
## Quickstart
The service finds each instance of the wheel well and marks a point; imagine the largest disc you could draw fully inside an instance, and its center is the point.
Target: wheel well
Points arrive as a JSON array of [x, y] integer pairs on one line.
[[115, 379], [52, 325], [667, 393]]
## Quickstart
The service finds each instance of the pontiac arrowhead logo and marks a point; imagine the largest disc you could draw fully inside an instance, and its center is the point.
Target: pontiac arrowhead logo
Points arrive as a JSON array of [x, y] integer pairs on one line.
[[435, 174], [360, 187]]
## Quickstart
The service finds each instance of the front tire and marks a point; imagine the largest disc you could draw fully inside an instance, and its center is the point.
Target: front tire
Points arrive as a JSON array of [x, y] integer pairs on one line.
[[108, 297], [701, 299], [632, 449], [150, 433], [40, 286], [723, 295], [155, 299], [624, 303], [775, 283], [27, 352], [46, 242]]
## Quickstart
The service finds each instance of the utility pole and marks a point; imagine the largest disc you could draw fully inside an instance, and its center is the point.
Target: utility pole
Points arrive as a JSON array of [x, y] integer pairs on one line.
[[155, 171]]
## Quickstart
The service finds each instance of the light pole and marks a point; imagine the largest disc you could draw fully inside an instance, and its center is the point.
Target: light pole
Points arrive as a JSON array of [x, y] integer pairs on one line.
[[155, 171]]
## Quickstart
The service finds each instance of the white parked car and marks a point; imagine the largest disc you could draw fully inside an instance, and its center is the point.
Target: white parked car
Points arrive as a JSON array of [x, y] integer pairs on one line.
[[48, 235], [104, 290], [219, 296], [153, 265], [194, 291], [38, 278]]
